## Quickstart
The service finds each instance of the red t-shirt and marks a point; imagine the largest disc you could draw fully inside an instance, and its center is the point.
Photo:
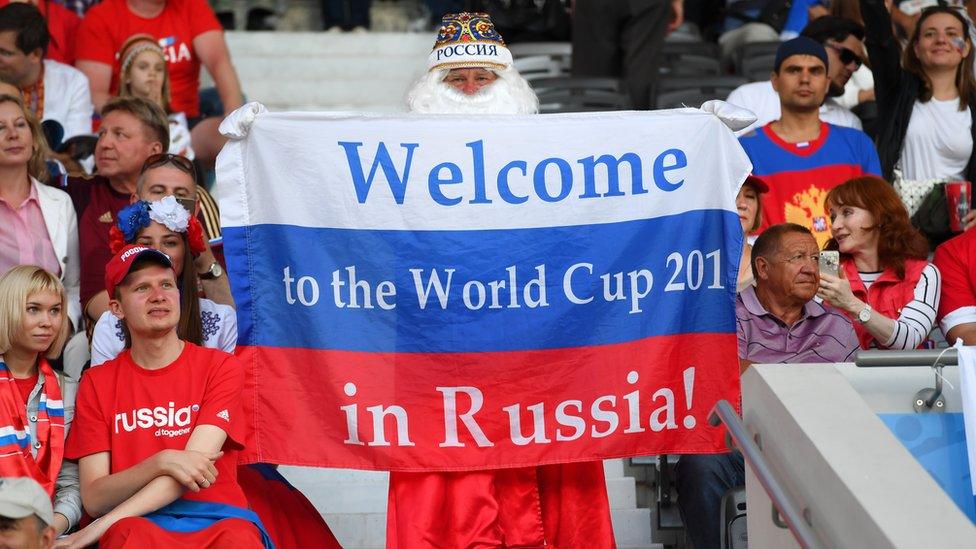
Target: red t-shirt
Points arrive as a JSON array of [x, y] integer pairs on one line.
[[108, 25], [26, 386], [96, 204], [134, 413], [956, 260], [62, 25]]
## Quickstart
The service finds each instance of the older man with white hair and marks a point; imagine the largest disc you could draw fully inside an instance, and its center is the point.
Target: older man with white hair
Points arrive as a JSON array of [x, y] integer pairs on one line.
[[470, 72]]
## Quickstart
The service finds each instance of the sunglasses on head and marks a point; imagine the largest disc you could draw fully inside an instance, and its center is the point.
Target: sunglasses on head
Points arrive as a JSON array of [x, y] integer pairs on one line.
[[167, 159], [847, 56]]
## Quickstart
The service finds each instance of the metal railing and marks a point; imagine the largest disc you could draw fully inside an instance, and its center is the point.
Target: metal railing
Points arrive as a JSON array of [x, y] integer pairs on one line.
[[782, 505], [928, 399], [925, 357]]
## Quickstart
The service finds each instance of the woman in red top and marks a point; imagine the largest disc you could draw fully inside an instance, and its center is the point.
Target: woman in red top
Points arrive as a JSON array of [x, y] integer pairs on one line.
[[886, 284], [36, 403]]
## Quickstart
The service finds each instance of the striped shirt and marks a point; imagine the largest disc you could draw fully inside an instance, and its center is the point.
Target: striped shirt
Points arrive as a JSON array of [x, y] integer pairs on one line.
[[917, 317], [820, 334]]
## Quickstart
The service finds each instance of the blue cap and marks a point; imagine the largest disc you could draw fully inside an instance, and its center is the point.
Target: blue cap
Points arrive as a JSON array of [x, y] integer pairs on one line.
[[800, 45]]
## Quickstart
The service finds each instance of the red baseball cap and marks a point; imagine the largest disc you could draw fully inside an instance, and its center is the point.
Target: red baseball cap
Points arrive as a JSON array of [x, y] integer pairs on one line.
[[759, 184], [118, 267]]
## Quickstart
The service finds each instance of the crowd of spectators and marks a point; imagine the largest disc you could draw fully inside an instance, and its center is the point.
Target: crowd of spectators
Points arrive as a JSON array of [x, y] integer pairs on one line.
[[102, 142]]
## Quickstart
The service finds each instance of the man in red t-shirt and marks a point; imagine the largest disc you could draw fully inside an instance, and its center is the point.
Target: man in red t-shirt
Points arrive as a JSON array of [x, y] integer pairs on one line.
[[956, 260], [190, 35], [157, 430]]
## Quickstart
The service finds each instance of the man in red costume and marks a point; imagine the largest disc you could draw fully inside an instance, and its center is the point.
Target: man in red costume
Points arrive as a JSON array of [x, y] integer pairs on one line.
[[563, 506]]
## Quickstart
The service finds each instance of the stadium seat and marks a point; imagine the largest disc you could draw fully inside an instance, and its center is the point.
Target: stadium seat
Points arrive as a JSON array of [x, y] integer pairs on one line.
[[579, 94], [539, 66], [752, 50], [734, 534], [677, 49], [758, 67], [692, 65], [668, 517], [560, 51], [692, 91]]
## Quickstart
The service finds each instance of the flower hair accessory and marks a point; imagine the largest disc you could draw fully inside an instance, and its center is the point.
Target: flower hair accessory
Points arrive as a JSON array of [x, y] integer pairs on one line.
[[132, 219], [167, 212]]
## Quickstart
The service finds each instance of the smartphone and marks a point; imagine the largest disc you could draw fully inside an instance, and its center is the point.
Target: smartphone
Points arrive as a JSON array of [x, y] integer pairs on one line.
[[830, 262], [190, 204]]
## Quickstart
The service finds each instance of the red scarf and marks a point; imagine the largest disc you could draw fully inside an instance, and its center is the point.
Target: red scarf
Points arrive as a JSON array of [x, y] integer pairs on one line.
[[16, 459]]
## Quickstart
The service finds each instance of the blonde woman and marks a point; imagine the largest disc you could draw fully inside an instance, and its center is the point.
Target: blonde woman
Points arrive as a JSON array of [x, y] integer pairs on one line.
[[38, 225], [36, 402]]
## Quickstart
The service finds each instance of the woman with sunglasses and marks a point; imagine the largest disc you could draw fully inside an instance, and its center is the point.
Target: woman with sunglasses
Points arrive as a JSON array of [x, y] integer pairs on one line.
[[926, 96]]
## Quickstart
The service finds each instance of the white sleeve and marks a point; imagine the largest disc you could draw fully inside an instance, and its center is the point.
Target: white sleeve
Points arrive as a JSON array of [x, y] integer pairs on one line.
[[71, 277], [962, 315], [226, 339], [855, 122], [79, 120], [848, 99], [108, 340], [918, 316]]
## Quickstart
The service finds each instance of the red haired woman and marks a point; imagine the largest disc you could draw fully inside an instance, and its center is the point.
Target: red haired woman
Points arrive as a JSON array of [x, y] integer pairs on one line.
[[887, 286]]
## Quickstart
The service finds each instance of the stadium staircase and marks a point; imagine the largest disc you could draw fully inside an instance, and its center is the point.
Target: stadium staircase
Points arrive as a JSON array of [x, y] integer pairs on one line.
[[328, 71]]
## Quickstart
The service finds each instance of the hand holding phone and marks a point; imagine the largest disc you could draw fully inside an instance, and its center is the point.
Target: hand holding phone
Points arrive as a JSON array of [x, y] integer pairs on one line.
[[830, 262]]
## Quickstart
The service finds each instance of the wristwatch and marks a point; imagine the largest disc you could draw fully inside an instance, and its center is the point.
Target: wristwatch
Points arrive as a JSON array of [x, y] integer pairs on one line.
[[864, 316], [215, 271]]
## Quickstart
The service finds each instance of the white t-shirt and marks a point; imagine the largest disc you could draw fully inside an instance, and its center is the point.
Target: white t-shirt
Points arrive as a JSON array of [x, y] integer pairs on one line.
[[219, 331], [938, 142], [67, 98], [862, 79], [762, 99]]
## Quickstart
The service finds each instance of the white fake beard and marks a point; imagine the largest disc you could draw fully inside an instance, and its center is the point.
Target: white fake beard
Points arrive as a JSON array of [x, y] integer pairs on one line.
[[508, 94]]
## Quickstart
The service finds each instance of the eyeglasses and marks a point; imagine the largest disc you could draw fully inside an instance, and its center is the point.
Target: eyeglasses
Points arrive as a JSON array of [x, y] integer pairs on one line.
[[847, 56], [167, 159], [801, 257]]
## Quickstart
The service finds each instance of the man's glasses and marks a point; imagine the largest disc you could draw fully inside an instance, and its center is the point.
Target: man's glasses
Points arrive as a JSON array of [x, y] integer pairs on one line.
[[847, 56], [167, 159]]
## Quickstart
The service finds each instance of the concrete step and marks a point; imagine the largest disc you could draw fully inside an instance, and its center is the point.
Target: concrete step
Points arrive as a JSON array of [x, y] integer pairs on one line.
[[318, 96], [313, 477], [358, 530], [382, 45], [613, 468], [327, 71], [631, 527], [622, 493]]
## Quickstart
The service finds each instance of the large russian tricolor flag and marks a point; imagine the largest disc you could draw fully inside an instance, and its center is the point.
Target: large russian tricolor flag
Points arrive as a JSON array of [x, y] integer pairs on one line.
[[457, 293]]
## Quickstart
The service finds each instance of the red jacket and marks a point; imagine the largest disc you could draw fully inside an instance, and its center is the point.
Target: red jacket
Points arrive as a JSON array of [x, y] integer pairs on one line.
[[887, 296]]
